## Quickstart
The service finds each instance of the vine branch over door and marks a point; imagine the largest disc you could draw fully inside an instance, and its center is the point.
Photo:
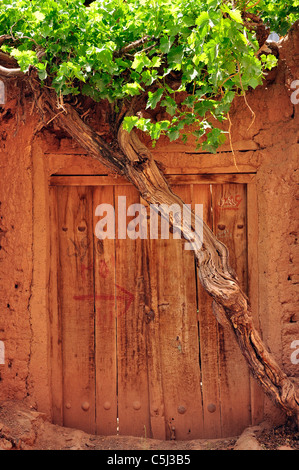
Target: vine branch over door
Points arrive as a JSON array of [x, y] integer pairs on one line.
[[129, 157], [136, 57]]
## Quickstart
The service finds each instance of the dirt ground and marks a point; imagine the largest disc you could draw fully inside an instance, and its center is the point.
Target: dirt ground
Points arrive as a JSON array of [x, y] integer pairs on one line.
[[22, 428], [279, 438]]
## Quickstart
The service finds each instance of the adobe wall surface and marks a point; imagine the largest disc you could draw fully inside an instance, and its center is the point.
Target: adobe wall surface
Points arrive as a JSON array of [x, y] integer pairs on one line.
[[268, 146], [15, 247]]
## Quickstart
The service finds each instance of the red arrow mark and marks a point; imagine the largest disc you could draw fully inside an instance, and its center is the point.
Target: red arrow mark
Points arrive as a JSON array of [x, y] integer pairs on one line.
[[126, 296]]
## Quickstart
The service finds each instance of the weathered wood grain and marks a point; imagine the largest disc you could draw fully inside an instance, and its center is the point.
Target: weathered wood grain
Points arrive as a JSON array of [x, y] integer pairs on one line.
[[76, 305]]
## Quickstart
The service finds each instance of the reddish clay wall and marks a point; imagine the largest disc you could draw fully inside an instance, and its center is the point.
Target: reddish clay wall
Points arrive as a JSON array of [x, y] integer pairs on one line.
[[269, 146], [15, 248]]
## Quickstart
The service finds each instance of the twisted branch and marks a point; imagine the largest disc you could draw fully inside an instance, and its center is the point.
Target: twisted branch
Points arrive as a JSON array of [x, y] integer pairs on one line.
[[134, 45], [128, 157]]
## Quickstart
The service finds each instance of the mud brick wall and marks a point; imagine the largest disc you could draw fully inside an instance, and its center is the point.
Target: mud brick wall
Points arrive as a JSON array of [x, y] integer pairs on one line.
[[267, 144], [16, 212]]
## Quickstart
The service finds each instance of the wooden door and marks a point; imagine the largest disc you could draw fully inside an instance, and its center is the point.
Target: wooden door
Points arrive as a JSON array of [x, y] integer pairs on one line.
[[139, 351]]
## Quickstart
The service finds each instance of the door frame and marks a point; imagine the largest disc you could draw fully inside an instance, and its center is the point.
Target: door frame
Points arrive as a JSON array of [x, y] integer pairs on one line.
[[55, 338]]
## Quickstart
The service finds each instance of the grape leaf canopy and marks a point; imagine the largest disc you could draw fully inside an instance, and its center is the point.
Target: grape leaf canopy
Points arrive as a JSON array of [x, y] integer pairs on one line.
[[118, 50]]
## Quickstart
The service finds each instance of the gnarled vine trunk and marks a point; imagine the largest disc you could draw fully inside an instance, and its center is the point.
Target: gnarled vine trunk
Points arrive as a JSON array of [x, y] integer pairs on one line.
[[128, 157], [231, 306]]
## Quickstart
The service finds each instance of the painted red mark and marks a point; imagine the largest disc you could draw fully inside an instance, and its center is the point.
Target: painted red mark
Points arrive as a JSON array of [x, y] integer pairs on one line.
[[230, 202], [103, 269], [121, 295], [85, 268], [128, 296], [91, 297]]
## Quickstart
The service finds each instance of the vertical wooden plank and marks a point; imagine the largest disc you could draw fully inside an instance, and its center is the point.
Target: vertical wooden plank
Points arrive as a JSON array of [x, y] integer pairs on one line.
[[152, 329], [209, 337], [257, 395], [133, 401], [105, 321], [54, 318], [76, 301], [230, 225], [179, 345]]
